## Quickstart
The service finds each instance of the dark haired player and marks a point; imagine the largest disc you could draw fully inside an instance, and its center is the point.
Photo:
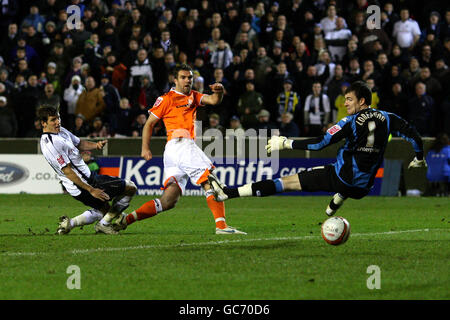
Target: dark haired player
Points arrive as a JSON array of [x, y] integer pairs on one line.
[[183, 159], [366, 132], [62, 149]]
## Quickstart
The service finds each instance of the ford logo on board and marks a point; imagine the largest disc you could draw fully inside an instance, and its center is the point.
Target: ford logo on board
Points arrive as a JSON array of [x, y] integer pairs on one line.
[[11, 173]]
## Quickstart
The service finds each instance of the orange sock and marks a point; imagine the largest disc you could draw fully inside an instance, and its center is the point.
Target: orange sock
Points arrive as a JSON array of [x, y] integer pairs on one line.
[[218, 211], [147, 210]]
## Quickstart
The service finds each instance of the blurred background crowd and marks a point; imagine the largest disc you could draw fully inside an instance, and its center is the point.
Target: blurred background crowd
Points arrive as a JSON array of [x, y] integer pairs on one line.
[[284, 64]]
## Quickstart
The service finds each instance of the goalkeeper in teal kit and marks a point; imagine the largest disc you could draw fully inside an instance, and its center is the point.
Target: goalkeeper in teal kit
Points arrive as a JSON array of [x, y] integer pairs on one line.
[[366, 132]]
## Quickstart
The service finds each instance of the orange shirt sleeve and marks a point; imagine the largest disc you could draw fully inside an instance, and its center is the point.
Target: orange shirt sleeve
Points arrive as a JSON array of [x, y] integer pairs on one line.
[[159, 107], [198, 98]]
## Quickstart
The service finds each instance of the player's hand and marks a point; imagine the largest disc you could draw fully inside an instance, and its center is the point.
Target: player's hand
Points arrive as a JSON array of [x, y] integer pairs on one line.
[[146, 154], [278, 143], [99, 194], [101, 144], [417, 163], [216, 88]]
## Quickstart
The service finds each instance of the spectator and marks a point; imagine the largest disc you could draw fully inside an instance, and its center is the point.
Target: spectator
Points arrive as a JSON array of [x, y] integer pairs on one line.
[[124, 119], [8, 121], [141, 67], [406, 31], [375, 98], [77, 62], [112, 101], [50, 98], [222, 56], [288, 128], [420, 110], [434, 88], [334, 86], [34, 19], [249, 104], [337, 40], [262, 66], [138, 124], [438, 172], [71, 95], [36, 130], [396, 101], [288, 101], [52, 77], [317, 112], [264, 126], [413, 71], [339, 103], [99, 130], [80, 128], [235, 125], [214, 124], [90, 102]]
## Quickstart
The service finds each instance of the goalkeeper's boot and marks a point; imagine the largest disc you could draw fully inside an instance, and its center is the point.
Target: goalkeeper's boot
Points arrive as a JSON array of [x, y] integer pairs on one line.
[[64, 226], [218, 188], [229, 230], [120, 223], [335, 204], [101, 228]]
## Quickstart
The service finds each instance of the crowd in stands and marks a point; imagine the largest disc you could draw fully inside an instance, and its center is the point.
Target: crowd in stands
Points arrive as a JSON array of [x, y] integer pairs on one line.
[[285, 65]]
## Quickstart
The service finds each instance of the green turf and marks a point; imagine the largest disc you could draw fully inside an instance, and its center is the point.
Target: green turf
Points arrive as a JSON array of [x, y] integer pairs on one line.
[[176, 255]]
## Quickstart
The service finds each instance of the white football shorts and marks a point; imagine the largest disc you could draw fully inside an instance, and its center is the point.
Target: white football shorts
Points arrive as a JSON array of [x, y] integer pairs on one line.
[[184, 160]]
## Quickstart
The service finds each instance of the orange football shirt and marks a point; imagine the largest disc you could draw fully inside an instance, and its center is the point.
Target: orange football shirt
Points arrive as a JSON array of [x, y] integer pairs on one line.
[[178, 111]]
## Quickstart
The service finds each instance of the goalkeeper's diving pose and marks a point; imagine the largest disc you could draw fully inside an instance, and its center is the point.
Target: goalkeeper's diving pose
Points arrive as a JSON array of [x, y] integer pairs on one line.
[[366, 132]]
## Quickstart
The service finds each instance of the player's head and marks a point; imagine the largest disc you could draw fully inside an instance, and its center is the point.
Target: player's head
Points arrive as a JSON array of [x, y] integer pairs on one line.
[[184, 78], [358, 96], [49, 118]]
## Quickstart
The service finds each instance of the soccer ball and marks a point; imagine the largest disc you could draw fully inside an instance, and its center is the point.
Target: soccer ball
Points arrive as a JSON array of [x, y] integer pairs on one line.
[[336, 230]]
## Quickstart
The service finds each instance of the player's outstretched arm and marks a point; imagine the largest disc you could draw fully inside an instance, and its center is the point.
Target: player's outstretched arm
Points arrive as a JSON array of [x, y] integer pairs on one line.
[[86, 145], [147, 135], [401, 128], [336, 133], [217, 95]]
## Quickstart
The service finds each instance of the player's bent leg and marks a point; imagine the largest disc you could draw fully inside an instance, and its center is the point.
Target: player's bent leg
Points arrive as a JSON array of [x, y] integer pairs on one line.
[[151, 208], [218, 210], [89, 216], [336, 202], [120, 203], [101, 228]]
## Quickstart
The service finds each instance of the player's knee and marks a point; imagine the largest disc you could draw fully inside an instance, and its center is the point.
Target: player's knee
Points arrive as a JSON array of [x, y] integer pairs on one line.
[[130, 187], [168, 203], [106, 207]]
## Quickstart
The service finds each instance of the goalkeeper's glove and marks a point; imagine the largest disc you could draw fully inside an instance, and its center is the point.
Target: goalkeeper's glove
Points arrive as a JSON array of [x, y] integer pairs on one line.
[[278, 143], [417, 163]]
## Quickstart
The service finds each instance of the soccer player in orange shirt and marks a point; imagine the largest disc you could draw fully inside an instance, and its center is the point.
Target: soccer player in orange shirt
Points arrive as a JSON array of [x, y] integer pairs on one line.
[[183, 159]]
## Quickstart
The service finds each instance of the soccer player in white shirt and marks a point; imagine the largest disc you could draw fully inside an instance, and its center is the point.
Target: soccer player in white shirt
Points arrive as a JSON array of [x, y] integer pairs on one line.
[[62, 149]]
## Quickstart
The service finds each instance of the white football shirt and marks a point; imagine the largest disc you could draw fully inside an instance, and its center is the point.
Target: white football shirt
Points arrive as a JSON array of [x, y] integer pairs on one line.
[[60, 150]]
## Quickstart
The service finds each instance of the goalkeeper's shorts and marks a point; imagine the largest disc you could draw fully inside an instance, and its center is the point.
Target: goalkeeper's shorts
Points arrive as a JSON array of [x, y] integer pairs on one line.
[[325, 179]]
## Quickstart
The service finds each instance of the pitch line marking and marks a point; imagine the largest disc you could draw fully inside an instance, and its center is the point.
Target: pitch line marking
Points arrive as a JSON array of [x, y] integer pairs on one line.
[[146, 247]]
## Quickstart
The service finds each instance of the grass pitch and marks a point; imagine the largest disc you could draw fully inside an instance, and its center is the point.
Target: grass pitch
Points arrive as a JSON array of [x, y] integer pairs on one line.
[[176, 255]]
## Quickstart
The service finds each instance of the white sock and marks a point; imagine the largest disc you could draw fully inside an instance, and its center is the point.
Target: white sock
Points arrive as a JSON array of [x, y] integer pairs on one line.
[[108, 218], [245, 190], [85, 218]]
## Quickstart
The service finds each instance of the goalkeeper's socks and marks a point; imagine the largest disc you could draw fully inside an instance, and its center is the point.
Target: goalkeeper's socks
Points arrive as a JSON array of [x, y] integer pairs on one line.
[[147, 210], [258, 189], [336, 202]]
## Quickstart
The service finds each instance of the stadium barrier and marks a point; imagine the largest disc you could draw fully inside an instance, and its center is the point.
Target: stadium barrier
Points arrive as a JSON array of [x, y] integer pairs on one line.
[[121, 157]]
